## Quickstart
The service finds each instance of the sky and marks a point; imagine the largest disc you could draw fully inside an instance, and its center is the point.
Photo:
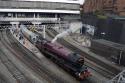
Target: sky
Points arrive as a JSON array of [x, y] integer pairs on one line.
[[81, 1]]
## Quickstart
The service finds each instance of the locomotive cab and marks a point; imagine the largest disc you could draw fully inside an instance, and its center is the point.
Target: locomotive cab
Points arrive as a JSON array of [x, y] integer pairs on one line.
[[80, 61], [77, 59]]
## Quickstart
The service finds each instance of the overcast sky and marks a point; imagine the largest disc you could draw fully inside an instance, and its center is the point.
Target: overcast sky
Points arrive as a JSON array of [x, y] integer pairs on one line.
[[81, 1]]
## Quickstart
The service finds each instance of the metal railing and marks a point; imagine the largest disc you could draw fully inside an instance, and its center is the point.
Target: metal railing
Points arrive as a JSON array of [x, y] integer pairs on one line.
[[27, 19]]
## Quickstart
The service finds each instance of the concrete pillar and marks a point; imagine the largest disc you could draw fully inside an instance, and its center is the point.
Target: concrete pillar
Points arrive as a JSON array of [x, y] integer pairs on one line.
[[12, 15], [37, 15], [34, 15], [16, 15], [60, 25], [12, 25], [44, 31], [56, 15], [36, 23], [81, 31], [15, 24], [122, 38]]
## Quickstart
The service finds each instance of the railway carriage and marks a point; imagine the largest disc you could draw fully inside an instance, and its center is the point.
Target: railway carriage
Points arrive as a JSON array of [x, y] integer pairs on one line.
[[28, 34]]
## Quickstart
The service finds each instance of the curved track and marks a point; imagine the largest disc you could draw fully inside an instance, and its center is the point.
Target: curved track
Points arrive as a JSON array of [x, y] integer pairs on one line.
[[16, 73], [30, 60], [3, 79], [94, 64], [34, 63]]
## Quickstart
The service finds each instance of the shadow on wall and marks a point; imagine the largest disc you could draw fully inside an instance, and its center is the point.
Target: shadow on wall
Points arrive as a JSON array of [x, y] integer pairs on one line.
[[109, 28]]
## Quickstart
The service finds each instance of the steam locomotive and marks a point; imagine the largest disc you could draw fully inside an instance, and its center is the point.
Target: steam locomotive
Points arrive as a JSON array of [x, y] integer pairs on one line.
[[70, 61]]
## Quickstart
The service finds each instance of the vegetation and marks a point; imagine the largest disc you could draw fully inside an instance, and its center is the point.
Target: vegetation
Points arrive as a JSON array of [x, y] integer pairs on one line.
[[100, 14]]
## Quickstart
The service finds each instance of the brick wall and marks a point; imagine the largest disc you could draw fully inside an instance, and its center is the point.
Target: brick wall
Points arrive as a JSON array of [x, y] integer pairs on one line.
[[92, 5], [120, 7], [109, 6]]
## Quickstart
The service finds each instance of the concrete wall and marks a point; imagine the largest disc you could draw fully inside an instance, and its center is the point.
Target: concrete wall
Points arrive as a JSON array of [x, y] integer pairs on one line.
[[38, 5], [122, 40]]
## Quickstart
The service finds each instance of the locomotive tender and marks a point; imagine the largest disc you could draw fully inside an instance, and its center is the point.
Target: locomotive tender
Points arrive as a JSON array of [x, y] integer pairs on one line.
[[72, 62]]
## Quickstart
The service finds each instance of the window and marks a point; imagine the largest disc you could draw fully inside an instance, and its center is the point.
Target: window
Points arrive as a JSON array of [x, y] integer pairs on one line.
[[116, 8], [110, 1]]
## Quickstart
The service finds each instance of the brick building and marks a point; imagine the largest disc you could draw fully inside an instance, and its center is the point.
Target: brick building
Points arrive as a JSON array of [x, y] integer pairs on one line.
[[120, 7], [109, 6], [92, 5]]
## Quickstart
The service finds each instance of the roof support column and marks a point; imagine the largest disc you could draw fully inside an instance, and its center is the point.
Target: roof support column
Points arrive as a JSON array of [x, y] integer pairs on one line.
[[15, 24], [36, 23], [44, 31]]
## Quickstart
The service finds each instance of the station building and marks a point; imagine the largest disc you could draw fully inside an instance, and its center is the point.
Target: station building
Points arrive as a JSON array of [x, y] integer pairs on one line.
[[64, 10], [39, 11]]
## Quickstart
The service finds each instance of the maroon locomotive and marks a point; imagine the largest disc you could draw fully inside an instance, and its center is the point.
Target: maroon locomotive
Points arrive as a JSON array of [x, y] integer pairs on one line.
[[72, 62]]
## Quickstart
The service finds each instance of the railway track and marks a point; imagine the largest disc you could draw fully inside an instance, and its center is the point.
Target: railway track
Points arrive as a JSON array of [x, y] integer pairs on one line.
[[104, 69], [2, 79], [16, 73], [30, 60]]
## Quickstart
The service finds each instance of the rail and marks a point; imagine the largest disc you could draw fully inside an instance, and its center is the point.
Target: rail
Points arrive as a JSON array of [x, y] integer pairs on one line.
[[107, 69]]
